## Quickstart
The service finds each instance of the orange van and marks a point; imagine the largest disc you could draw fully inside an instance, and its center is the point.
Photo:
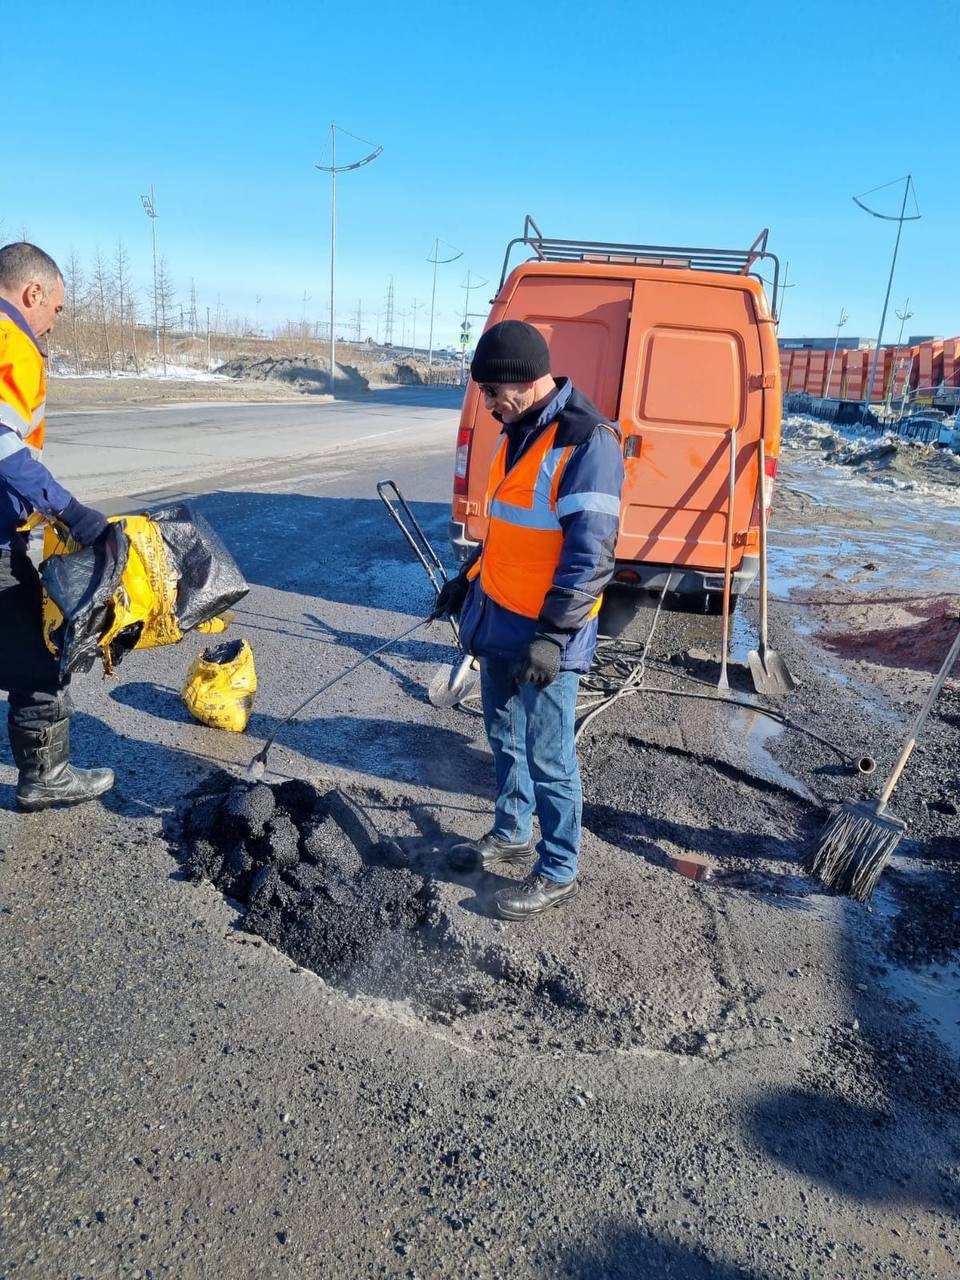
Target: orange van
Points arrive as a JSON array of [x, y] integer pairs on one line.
[[680, 346]]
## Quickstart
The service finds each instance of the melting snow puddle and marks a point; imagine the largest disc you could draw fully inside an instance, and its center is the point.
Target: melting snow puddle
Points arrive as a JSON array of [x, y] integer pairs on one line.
[[754, 732], [912, 538], [932, 989], [935, 992]]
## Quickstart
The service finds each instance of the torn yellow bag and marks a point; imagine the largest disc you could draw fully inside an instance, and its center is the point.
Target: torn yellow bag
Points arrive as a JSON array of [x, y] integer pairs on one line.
[[147, 581], [220, 686], [146, 593]]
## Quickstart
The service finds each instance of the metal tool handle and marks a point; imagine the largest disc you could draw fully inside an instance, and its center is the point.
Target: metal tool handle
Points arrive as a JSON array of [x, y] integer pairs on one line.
[[762, 460], [723, 682], [342, 675], [918, 724], [420, 545]]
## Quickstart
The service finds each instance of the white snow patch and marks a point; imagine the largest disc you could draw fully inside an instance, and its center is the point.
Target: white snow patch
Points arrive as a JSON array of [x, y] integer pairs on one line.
[[174, 372]]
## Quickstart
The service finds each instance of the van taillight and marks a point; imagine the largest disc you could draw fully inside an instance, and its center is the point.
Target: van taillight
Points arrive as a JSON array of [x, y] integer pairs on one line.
[[462, 462], [771, 469]]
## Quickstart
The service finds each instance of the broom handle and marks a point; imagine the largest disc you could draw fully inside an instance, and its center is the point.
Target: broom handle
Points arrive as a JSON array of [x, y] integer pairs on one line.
[[924, 711]]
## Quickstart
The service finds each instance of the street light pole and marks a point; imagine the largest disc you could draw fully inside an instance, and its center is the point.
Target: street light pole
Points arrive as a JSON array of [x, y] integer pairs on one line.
[[903, 316], [466, 321], [413, 341], [333, 169], [150, 209], [833, 359], [437, 260], [899, 220]]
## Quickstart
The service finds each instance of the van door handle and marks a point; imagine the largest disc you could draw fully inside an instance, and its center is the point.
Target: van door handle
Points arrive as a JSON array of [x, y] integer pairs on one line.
[[632, 446]]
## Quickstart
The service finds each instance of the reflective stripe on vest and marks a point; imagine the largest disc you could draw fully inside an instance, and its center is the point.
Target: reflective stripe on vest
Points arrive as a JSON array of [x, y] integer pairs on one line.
[[521, 550]]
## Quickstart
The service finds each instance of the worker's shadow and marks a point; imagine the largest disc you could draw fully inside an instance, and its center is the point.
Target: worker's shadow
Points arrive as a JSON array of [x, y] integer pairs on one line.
[[627, 1252], [428, 755], [343, 550], [877, 1162], [151, 778], [640, 834]]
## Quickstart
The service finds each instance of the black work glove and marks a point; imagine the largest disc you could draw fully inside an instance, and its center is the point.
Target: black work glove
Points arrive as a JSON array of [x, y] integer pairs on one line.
[[540, 664], [85, 524], [451, 597]]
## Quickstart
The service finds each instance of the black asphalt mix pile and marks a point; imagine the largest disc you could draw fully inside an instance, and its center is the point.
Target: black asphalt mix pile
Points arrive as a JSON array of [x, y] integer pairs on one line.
[[314, 880]]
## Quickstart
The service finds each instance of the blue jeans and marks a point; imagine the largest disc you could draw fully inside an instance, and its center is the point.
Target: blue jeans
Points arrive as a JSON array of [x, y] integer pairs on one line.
[[535, 758]]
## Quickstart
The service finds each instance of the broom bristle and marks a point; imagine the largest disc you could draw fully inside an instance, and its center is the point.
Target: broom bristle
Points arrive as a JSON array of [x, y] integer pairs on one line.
[[853, 848]]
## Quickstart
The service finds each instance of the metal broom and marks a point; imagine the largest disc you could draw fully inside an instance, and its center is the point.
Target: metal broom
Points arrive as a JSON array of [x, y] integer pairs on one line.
[[858, 839]]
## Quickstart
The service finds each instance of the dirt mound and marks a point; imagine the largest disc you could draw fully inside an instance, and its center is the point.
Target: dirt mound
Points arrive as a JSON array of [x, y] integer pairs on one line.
[[901, 633], [304, 373], [890, 459], [907, 462], [806, 433], [316, 881]]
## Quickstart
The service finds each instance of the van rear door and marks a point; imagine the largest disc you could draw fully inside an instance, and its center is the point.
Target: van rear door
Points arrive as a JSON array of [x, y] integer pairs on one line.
[[694, 370], [584, 321]]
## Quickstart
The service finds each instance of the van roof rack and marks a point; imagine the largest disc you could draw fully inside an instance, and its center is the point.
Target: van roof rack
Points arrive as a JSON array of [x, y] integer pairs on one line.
[[736, 261]]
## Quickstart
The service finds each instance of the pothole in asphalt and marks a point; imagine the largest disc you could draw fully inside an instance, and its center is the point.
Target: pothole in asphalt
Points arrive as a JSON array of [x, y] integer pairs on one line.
[[315, 879]]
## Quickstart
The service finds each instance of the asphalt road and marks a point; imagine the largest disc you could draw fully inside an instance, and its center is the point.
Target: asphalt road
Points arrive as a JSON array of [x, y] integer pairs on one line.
[[125, 453], [749, 1095]]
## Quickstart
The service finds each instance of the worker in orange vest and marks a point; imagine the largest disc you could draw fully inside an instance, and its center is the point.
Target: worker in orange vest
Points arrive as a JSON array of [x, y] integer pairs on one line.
[[31, 298], [528, 602]]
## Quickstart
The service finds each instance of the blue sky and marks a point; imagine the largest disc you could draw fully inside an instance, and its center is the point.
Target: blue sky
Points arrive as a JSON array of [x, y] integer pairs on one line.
[[696, 123]]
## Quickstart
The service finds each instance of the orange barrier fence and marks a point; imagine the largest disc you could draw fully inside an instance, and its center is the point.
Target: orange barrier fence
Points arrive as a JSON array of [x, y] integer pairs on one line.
[[927, 365]]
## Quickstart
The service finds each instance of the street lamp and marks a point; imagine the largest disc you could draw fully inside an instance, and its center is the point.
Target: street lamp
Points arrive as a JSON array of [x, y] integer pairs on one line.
[[333, 169], [833, 359], [465, 326], [900, 219], [903, 316], [437, 260], [150, 209]]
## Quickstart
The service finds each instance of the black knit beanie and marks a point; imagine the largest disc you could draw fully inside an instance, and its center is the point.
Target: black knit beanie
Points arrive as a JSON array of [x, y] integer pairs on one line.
[[511, 351]]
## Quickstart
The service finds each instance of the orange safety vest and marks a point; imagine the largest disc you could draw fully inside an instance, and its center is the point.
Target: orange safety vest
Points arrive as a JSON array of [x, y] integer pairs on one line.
[[521, 550], [23, 383]]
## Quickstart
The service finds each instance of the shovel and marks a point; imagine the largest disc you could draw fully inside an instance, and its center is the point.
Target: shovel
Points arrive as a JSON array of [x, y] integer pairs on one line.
[[768, 669], [451, 685], [723, 683]]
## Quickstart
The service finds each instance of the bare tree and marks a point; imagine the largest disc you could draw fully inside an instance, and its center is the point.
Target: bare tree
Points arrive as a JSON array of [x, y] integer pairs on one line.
[[126, 302], [75, 288], [101, 288], [163, 305]]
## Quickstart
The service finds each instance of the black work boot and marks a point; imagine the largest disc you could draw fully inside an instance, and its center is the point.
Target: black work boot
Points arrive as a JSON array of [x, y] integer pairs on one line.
[[47, 777], [532, 896], [485, 853]]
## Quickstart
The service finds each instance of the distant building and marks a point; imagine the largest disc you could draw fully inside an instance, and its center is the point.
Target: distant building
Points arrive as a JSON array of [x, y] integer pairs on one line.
[[824, 344]]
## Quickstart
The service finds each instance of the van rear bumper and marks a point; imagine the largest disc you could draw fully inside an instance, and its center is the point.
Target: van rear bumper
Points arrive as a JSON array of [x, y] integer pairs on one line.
[[463, 547], [686, 582], [645, 577]]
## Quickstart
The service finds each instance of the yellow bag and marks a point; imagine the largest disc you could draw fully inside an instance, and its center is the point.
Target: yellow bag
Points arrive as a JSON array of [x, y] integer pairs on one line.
[[147, 593], [175, 574], [220, 686]]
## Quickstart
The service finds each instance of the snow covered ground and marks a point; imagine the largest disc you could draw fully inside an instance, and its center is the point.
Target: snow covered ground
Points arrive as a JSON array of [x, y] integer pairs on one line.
[[889, 460], [179, 372]]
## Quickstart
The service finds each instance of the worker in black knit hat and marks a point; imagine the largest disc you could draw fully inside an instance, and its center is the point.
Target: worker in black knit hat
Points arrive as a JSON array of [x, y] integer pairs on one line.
[[528, 602]]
